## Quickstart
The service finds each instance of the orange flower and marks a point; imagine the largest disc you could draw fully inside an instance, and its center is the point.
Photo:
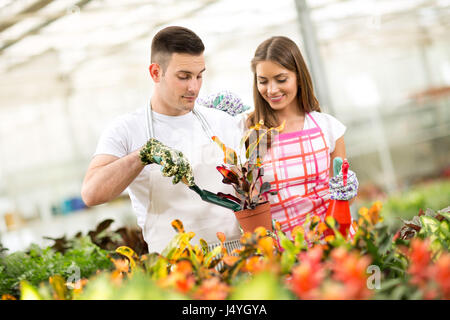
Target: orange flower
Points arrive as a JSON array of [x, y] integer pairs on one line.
[[420, 258], [183, 266], [254, 265], [179, 281], [185, 284], [212, 289], [350, 269], [333, 291], [267, 246], [374, 212], [442, 274], [230, 260], [371, 215], [308, 275]]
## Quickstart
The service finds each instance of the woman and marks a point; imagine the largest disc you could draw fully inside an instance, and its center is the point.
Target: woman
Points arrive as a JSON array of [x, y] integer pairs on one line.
[[298, 162]]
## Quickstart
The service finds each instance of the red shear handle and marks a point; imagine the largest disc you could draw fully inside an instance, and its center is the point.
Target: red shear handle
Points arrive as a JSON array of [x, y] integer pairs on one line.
[[345, 166]]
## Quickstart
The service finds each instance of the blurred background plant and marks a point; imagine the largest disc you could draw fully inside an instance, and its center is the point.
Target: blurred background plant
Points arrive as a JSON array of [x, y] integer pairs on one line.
[[407, 204]]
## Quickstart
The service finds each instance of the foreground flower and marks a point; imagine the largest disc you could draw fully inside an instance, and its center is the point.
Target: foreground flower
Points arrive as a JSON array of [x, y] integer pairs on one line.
[[442, 274], [420, 257], [350, 270], [308, 275], [181, 278], [212, 289]]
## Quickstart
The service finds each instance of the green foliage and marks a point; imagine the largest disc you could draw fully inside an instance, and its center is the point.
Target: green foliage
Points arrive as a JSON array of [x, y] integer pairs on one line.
[[37, 265], [407, 204]]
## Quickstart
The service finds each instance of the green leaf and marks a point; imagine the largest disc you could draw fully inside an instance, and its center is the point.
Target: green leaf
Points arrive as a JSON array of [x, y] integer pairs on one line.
[[287, 244], [445, 214], [445, 229], [430, 223], [373, 250], [204, 246], [250, 177], [418, 295], [265, 187], [385, 285], [385, 244], [398, 292], [212, 254], [287, 261], [28, 292]]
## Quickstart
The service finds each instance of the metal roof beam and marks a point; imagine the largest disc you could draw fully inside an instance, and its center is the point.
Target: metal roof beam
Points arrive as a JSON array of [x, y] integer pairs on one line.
[[36, 6], [40, 26]]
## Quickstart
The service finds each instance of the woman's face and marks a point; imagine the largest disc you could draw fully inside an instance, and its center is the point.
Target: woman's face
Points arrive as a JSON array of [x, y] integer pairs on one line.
[[277, 85]]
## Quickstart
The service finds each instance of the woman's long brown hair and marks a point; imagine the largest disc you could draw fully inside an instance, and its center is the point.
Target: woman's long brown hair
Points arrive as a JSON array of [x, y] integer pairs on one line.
[[285, 52]]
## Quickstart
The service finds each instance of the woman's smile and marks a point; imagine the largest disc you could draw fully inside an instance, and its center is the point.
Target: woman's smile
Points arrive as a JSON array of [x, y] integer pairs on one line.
[[276, 99]]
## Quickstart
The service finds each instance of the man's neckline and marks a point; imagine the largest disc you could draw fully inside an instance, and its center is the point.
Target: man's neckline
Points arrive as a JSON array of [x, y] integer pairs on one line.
[[162, 116]]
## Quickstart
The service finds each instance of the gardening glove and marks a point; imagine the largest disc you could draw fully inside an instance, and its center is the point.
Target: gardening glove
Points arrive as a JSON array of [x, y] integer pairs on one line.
[[173, 162], [224, 101], [340, 192]]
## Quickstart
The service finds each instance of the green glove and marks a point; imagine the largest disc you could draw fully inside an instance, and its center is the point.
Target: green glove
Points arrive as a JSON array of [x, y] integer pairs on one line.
[[173, 162]]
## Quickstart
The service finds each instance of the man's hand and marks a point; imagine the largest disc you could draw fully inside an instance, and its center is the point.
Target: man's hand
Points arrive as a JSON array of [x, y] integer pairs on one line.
[[173, 162]]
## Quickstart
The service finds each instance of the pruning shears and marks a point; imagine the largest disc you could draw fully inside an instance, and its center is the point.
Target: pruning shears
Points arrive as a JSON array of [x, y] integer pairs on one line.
[[211, 197]]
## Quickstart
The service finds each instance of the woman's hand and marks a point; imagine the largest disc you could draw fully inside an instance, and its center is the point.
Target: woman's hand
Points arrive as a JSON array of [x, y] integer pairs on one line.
[[340, 192]]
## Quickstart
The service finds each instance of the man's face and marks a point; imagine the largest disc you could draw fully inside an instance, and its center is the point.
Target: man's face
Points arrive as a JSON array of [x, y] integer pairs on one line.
[[181, 82]]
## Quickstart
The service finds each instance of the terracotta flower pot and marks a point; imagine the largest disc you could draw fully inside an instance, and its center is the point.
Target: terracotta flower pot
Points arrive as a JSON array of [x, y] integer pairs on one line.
[[250, 219]]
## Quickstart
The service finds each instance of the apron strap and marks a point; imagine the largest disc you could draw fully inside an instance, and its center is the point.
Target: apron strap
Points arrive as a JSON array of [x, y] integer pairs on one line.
[[149, 123], [205, 125]]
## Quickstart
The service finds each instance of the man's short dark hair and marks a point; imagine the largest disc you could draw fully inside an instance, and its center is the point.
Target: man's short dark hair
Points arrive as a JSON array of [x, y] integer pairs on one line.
[[174, 39]]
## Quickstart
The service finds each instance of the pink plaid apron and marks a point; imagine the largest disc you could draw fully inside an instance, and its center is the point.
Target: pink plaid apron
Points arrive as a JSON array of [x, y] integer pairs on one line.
[[297, 166]]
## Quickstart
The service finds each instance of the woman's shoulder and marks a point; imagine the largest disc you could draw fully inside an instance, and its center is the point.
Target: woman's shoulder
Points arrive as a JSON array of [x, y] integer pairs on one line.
[[325, 118]]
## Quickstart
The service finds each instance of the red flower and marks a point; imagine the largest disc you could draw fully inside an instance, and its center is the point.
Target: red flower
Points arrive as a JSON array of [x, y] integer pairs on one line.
[[420, 258], [350, 269], [442, 274], [308, 275]]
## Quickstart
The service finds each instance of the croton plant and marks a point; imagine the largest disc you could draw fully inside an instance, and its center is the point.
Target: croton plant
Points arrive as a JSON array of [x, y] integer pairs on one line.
[[244, 173]]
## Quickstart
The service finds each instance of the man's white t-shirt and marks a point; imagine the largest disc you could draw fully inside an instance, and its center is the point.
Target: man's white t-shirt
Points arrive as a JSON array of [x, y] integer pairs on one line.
[[184, 133]]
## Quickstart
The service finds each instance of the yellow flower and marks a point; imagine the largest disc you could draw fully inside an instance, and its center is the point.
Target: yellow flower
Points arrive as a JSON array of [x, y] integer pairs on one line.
[[374, 212], [267, 246], [371, 215], [322, 227]]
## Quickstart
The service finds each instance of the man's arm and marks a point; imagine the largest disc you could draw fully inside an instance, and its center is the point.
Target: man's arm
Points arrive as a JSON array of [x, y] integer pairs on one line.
[[107, 176]]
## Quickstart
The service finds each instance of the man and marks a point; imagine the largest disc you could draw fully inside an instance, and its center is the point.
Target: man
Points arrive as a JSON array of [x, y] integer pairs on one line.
[[170, 120]]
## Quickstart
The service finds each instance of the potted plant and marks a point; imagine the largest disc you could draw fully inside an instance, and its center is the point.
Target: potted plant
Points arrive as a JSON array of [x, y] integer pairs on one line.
[[245, 177]]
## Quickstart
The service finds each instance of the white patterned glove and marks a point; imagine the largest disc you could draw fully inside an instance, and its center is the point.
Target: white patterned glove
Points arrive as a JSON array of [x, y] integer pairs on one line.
[[340, 192], [225, 101]]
